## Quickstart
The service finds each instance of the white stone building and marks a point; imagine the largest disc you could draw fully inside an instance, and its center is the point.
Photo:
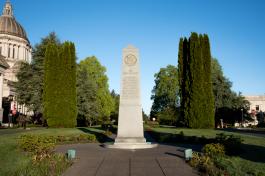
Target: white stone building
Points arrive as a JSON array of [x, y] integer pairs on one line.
[[14, 48], [257, 103]]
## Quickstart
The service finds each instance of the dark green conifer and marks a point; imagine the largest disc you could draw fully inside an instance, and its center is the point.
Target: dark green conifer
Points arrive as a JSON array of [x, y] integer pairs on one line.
[[60, 105], [196, 94]]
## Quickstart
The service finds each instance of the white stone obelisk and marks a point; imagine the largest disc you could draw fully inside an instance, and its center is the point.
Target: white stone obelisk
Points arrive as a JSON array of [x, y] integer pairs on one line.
[[130, 123]]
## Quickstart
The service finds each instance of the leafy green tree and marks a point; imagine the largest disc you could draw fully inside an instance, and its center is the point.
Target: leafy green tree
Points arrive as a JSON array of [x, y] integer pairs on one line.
[[165, 95], [228, 104], [104, 102], [60, 100], [86, 98], [31, 76], [115, 113], [221, 87]]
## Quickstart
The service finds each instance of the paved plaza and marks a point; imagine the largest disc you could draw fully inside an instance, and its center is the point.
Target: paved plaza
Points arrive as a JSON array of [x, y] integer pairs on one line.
[[95, 160]]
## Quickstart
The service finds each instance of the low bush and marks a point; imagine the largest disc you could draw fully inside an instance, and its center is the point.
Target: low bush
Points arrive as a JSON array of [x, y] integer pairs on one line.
[[107, 133], [231, 143], [153, 124], [106, 126], [40, 147], [261, 125], [214, 150], [204, 164]]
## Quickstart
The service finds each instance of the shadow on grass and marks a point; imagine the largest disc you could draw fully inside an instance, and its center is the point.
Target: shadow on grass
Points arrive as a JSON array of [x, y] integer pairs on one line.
[[245, 151], [253, 153], [244, 131], [101, 137]]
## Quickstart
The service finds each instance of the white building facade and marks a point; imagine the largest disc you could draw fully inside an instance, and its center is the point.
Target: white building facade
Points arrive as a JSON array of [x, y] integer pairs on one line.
[[257, 103]]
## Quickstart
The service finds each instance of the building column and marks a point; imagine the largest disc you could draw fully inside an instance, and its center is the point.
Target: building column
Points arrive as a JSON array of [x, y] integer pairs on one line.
[[24, 53], [1, 97], [16, 51], [5, 52], [30, 56], [11, 51]]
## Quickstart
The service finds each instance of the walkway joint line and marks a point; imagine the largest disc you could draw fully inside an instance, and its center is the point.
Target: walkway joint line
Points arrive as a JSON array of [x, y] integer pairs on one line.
[[160, 167], [100, 165]]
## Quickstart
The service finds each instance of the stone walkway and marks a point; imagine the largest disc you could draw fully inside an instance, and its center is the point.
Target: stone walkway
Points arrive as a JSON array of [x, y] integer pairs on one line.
[[94, 160]]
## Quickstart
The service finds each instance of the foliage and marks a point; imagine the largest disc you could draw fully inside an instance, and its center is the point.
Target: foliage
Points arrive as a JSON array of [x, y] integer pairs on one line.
[[231, 143], [213, 150], [14, 161], [86, 98], [165, 95], [107, 133], [168, 116], [55, 165], [153, 124], [213, 162], [115, 113], [203, 163], [31, 76], [228, 104], [233, 166], [60, 102], [104, 104], [261, 125], [41, 147], [196, 93]]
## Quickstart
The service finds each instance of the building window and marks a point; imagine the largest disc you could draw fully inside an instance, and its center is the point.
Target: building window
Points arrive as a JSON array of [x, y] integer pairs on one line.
[[0, 50], [257, 107]]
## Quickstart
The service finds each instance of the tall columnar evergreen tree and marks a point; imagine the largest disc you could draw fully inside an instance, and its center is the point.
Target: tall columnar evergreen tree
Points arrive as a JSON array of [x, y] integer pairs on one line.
[[196, 94], [60, 102], [208, 85]]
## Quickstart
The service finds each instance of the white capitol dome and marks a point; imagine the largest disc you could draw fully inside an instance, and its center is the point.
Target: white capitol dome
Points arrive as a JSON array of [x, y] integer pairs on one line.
[[14, 47]]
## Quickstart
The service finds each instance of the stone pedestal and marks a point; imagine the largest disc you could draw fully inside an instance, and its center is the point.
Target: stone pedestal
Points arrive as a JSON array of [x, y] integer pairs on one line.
[[130, 124]]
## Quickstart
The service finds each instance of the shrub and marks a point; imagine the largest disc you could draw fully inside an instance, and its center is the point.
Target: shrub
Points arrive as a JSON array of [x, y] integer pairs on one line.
[[106, 126], [40, 147], [55, 165], [153, 124], [76, 138], [107, 133], [213, 150], [91, 137], [231, 143], [261, 125], [203, 163]]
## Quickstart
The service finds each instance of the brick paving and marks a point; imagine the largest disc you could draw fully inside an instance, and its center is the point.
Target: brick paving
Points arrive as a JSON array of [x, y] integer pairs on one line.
[[95, 160]]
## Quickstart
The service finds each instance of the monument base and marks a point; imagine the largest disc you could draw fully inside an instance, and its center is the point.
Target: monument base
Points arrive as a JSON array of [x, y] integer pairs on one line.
[[131, 144]]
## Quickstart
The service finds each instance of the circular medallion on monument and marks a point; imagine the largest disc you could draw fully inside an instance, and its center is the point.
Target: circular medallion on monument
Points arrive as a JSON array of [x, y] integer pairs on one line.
[[130, 60]]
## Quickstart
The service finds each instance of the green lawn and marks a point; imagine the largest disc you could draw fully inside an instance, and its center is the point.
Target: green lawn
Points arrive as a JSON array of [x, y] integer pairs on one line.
[[210, 133], [12, 159]]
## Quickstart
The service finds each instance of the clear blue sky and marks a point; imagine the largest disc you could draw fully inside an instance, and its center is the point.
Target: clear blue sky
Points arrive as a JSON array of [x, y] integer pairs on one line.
[[103, 27]]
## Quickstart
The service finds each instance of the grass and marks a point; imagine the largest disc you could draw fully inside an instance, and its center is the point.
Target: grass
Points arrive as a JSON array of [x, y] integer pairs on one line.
[[14, 162], [210, 133], [252, 157]]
